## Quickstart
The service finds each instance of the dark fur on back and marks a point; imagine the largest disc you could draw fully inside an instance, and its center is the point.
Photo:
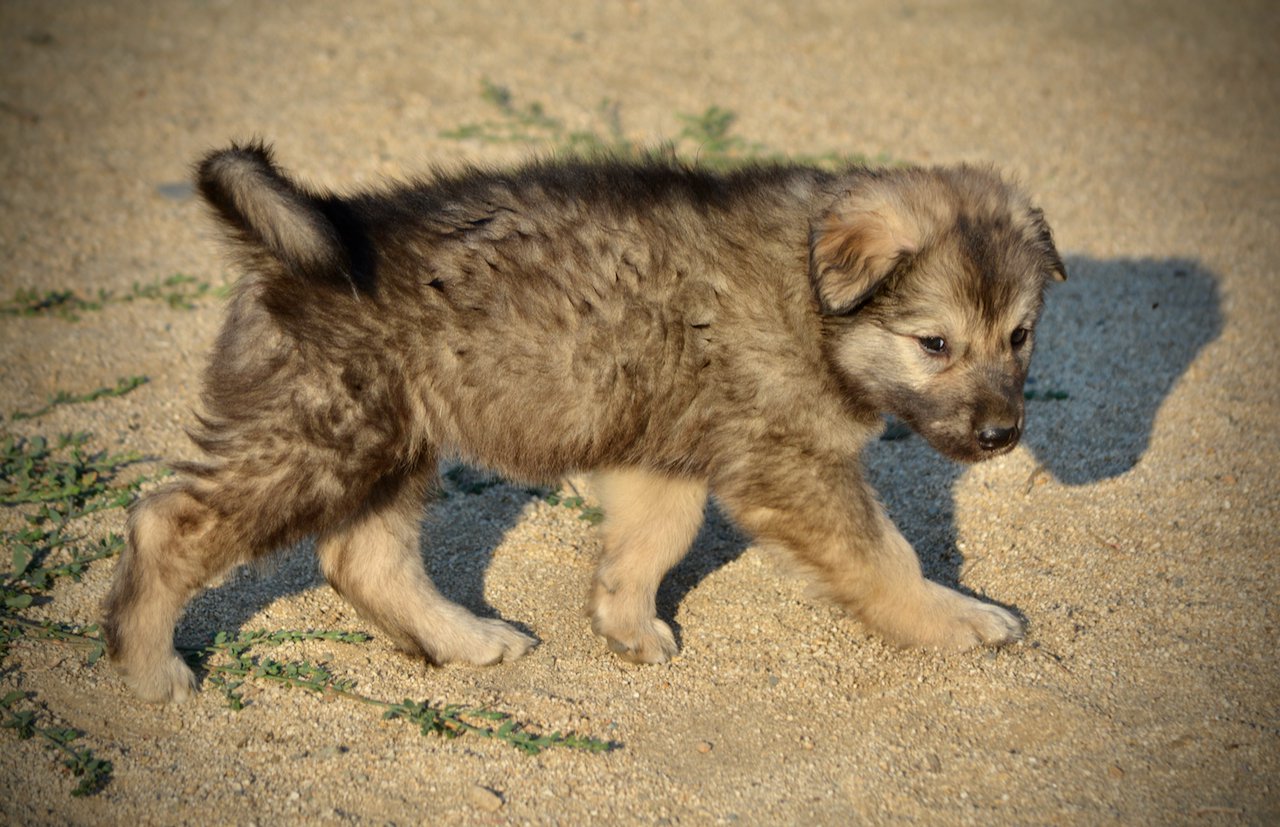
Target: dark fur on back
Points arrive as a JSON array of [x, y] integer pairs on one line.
[[674, 330], [570, 259]]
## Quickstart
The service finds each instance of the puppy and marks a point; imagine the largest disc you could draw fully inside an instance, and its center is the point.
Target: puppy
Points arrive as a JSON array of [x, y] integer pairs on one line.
[[675, 331]]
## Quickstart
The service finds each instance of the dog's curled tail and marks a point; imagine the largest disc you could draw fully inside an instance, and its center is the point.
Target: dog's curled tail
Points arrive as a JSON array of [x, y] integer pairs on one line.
[[268, 212]]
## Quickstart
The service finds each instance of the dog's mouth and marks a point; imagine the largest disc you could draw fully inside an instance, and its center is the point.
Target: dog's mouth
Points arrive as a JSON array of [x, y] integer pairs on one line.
[[992, 453]]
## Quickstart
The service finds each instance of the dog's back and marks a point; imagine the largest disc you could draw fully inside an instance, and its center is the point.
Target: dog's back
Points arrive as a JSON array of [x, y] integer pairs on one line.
[[569, 309]]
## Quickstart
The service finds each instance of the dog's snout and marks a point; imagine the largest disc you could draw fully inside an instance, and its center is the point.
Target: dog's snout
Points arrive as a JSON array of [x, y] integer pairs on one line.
[[997, 437]]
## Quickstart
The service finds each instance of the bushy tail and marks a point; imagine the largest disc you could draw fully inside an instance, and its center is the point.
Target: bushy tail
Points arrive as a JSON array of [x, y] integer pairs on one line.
[[267, 212]]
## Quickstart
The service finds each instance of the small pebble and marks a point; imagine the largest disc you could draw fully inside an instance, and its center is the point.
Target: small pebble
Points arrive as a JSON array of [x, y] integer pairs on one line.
[[704, 747]]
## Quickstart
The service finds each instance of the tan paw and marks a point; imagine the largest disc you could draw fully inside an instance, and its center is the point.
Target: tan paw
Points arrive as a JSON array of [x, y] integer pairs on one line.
[[941, 618], [975, 623], [168, 680], [651, 641], [479, 642]]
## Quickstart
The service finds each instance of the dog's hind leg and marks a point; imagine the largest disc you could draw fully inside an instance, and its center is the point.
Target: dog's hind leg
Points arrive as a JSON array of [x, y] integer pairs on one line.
[[163, 565], [189, 533], [373, 560], [650, 521]]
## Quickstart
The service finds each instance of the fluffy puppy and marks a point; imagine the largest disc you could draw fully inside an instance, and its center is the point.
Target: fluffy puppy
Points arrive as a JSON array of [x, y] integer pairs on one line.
[[673, 330]]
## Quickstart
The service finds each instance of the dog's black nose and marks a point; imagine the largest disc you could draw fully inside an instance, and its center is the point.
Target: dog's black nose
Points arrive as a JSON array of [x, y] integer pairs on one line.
[[993, 439]]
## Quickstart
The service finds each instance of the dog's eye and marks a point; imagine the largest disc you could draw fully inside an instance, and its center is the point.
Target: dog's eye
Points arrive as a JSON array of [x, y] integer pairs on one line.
[[1019, 337], [933, 344]]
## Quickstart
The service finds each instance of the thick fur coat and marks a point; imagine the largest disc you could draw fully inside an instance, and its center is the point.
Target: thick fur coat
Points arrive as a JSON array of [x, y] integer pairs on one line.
[[673, 330]]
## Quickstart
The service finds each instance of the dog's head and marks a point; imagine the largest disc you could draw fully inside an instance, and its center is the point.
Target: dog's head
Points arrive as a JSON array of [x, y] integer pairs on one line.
[[930, 283]]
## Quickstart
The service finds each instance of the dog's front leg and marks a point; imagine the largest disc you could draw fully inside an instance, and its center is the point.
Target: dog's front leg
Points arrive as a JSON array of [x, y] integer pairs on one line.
[[650, 522], [829, 521]]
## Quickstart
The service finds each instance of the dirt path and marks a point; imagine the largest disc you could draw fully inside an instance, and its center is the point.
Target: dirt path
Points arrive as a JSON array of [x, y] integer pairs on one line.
[[1136, 528]]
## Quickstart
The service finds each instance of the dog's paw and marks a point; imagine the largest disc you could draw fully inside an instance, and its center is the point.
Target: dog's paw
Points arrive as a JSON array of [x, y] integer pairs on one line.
[[941, 618], [626, 621], [169, 680], [480, 642], [499, 642], [649, 641], [981, 624]]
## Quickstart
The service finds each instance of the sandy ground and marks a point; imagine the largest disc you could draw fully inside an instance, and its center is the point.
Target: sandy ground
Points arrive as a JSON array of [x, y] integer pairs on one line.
[[1136, 527]]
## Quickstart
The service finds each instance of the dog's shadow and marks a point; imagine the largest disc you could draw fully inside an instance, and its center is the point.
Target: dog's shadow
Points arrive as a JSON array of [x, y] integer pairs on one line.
[[1114, 340]]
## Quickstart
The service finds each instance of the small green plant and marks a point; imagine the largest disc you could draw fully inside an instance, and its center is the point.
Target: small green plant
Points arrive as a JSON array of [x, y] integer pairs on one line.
[[239, 665], [64, 482], [231, 663], [592, 514], [74, 480], [56, 483], [453, 720], [14, 627], [711, 133], [93, 772], [706, 139], [63, 303], [122, 387], [515, 124], [471, 481], [178, 291]]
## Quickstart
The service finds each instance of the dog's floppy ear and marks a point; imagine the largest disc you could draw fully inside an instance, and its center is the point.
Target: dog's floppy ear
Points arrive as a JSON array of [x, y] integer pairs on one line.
[[1044, 238], [865, 235]]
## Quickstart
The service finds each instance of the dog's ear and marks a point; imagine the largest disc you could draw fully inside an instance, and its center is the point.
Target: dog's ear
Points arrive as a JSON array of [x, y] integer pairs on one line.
[[1044, 239], [858, 243]]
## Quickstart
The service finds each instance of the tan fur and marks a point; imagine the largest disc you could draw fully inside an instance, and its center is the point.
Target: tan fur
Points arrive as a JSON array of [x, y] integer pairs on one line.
[[650, 522], [671, 330], [373, 561]]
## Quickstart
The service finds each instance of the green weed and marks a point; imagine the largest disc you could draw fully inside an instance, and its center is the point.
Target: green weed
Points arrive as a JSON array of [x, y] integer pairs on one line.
[[454, 720], [230, 664], [239, 665], [93, 772], [592, 514], [63, 303], [56, 483], [705, 139], [64, 474], [122, 387], [64, 482], [178, 291]]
